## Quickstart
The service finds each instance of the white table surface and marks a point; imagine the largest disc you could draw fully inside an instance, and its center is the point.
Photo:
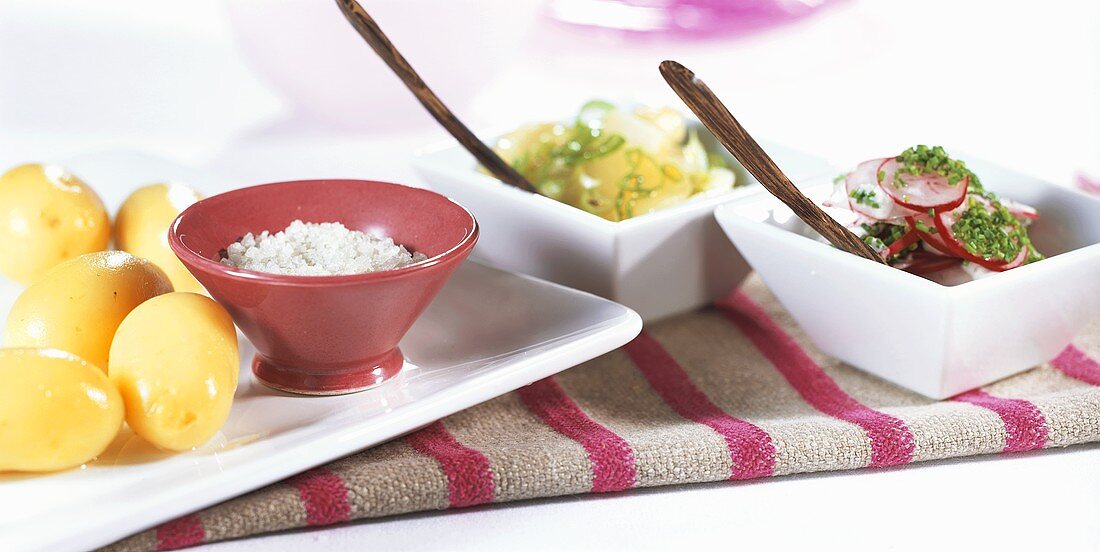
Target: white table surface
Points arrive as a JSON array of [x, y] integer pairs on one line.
[[1018, 84]]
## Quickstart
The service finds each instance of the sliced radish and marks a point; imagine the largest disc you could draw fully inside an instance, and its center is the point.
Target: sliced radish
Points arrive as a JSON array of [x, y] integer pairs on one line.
[[1020, 259], [1015, 208], [945, 220], [930, 207], [1020, 210], [925, 219], [920, 192], [899, 245], [863, 181], [923, 263], [933, 243]]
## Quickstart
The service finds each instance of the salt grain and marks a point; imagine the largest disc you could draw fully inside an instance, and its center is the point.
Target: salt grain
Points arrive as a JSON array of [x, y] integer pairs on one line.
[[312, 249]]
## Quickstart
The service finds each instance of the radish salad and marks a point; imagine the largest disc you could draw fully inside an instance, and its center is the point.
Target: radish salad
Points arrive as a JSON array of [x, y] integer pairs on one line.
[[927, 213]]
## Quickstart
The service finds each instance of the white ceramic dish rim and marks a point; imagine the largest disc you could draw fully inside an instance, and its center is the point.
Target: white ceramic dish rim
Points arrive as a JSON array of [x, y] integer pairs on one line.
[[820, 248]]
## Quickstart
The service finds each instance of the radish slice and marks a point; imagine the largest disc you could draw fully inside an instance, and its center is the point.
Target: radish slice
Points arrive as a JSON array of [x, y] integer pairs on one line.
[[1020, 210], [921, 192], [946, 219], [863, 182], [899, 245], [933, 243], [922, 263], [1020, 259]]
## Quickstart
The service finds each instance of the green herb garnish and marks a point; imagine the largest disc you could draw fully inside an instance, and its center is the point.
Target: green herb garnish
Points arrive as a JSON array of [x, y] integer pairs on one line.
[[990, 231], [864, 197], [920, 225], [633, 185], [550, 162], [881, 235], [922, 159]]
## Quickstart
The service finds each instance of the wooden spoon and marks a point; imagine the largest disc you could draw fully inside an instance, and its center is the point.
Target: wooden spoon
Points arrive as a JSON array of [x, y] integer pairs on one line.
[[385, 49], [714, 115]]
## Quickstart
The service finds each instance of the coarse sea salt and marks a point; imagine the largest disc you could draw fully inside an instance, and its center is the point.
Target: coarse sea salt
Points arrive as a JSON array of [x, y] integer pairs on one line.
[[318, 249]]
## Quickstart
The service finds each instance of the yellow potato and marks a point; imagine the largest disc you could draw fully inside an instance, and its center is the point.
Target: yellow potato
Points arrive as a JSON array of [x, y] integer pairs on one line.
[[627, 183], [56, 410], [141, 228], [47, 216], [175, 361], [78, 304]]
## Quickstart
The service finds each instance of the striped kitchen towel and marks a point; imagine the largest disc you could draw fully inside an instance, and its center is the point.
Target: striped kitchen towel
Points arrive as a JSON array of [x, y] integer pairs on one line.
[[731, 392]]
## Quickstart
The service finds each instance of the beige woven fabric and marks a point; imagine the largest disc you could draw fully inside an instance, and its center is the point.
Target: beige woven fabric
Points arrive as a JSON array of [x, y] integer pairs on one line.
[[731, 392]]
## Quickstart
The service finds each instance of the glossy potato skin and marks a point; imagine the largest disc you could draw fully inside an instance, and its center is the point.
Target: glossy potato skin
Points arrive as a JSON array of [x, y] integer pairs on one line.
[[57, 411], [175, 360], [141, 228], [47, 216], [77, 305]]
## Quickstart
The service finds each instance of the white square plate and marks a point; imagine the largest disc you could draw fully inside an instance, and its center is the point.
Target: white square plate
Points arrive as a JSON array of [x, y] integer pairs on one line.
[[526, 329], [934, 339]]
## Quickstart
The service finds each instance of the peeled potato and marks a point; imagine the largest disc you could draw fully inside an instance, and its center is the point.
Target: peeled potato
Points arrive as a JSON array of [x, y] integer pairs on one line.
[[56, 410], [670, 121], [627, 183], [175, 361], [78, 304], [47, 216], [141, 228]]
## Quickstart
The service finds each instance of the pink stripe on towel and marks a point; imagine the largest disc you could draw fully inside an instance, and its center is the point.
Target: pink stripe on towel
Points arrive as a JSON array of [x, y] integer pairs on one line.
[[1077, 364], [611, 456], [469, 476], [1025, 425], [751, 448], [324, 496], [180, 533], [891, 441]]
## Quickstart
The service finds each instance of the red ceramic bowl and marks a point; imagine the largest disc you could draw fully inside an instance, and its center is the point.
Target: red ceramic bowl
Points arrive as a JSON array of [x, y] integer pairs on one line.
[[324, 335]]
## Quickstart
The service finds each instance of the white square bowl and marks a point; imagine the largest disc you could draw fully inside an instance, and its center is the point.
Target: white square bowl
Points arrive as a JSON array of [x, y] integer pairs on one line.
[[933, 339], [658, 264]]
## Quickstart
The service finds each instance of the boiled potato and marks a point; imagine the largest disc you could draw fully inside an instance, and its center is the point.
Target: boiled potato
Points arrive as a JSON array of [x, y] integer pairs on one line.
[[627, 183], [175, 360], [141, 228], [670, 121], [56, 410], [78, 304], [47, 216]]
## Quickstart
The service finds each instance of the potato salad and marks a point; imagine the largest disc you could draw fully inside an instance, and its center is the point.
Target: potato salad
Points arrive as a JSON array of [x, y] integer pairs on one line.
[[617, 163]]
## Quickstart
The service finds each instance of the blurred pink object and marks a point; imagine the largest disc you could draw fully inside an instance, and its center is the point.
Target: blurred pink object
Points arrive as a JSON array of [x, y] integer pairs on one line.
[[683, 17], [309, 53], [1087, 184]]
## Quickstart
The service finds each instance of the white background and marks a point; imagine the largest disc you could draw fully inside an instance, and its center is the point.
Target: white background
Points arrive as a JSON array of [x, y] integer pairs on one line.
[[1014, 82]]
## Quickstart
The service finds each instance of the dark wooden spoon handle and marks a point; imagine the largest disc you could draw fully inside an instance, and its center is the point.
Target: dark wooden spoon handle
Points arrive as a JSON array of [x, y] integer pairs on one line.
[[717, 118], [380, 43]]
